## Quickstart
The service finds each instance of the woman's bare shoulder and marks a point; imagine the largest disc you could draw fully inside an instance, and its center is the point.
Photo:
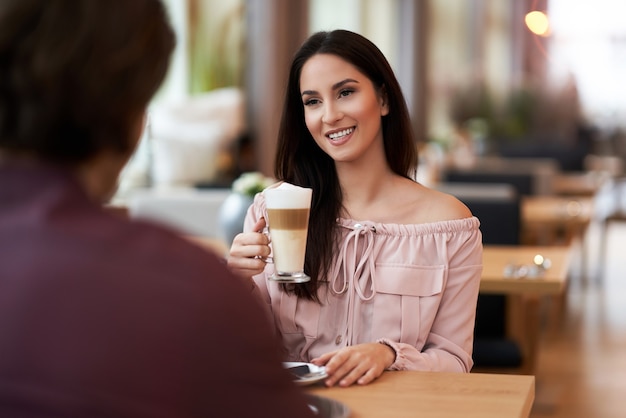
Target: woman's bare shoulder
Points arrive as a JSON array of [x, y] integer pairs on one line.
[[434, 206]]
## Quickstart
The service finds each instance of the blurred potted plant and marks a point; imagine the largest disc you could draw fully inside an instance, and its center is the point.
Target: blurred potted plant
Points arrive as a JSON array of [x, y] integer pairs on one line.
[[233, 210], [251, 183], [473, 113], [526, 113]]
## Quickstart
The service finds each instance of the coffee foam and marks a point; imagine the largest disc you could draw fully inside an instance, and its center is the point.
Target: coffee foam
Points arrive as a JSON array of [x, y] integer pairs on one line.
[[288, 196]]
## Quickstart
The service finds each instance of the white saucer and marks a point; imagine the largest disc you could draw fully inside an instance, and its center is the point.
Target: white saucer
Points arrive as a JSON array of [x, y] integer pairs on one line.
[[316, 373]]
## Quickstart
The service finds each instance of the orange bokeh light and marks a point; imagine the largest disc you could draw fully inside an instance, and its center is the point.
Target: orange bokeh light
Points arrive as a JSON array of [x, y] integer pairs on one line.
[[538, 23]]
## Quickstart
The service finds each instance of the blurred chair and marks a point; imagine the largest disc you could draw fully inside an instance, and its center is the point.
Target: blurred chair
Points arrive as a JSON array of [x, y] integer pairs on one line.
[[569, 157], [522, 182], [529, 176], [497, 206], [189, 210], [615, 212]]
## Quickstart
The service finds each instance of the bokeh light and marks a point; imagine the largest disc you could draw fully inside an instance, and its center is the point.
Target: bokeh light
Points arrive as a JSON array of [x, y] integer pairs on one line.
[[538, 23]]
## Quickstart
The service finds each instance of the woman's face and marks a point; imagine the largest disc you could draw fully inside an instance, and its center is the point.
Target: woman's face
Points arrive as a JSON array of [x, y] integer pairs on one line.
[[342, 108]]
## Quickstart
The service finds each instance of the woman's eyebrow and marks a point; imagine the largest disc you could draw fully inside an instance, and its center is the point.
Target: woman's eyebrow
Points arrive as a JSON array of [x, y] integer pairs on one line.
[[342, 82], [334, 86]]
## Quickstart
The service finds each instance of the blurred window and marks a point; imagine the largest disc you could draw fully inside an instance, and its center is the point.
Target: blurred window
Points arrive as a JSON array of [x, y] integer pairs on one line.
[[588, 44]]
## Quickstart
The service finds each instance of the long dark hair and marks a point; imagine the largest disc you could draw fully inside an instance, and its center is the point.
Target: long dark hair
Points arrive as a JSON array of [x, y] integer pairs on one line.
[[300, 161], [75, 76]]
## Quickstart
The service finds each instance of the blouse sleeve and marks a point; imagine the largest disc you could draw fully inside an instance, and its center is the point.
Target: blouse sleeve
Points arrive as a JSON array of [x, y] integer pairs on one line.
[[255, 212], [450, 341]]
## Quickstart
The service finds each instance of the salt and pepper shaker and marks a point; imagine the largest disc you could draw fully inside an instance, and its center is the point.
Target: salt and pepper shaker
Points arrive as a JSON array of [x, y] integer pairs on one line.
[[537, 269]]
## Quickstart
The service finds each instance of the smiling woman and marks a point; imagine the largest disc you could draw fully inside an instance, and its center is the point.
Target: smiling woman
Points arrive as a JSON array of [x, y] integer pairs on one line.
[[341, 107], [394, 266]]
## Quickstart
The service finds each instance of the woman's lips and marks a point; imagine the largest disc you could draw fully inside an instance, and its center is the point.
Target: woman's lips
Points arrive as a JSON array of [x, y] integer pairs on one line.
[[339, 137]]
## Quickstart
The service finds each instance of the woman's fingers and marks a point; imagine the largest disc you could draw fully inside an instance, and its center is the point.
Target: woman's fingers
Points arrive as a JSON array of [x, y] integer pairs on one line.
[[259, 225], [356, 373], [248, 260], [323, 359], [346, 374], [256, 265], [250, 244], [369, 376], [249, 251], [361, 363]]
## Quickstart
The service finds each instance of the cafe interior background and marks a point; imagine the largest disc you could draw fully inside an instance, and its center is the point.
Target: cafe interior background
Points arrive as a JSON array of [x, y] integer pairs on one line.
[[529, 87]]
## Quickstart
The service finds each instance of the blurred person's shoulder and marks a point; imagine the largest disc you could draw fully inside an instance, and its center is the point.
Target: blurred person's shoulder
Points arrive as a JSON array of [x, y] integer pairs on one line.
[[159, 247]]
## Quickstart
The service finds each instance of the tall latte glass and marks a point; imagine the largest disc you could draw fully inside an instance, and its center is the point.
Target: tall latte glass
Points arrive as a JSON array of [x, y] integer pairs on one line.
[[288, 209]]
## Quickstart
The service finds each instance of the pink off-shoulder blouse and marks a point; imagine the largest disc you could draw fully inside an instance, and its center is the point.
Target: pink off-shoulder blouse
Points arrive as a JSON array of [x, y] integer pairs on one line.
[[413, 287]]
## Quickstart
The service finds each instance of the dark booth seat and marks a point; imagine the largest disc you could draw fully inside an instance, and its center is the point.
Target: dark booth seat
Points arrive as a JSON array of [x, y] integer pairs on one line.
[[522, 182], [529, 176], [497, 206]]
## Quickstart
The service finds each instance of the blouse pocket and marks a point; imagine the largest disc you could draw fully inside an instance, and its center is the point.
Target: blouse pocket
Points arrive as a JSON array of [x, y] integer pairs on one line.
[[406, 302], [297, 321]]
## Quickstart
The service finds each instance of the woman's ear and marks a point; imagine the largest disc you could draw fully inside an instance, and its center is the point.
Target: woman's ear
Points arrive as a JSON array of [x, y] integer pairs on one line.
[[384, 102]]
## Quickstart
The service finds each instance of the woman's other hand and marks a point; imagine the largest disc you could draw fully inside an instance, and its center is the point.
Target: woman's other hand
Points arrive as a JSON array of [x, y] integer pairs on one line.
[[361, 363], [249, 251]]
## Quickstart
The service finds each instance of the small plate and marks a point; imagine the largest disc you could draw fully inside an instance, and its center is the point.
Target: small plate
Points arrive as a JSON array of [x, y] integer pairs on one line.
[[327, 408], [315, 373]]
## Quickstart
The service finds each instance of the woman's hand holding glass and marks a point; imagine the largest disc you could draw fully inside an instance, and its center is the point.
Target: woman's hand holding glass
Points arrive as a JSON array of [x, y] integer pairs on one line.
[[249, 251], [361, 363]]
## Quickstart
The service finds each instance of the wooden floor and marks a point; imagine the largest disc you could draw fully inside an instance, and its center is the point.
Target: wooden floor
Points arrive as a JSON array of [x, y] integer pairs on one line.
[[582, 359]]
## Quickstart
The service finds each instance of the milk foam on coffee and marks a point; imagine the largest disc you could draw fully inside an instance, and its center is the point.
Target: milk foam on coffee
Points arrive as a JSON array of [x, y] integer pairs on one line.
[[288, 196], [288, 212]]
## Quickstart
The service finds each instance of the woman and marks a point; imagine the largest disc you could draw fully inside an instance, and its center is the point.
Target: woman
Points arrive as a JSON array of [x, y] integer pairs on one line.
[[395, 267]]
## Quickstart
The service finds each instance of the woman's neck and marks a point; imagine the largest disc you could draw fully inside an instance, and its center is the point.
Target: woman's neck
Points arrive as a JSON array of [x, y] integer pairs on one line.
[[363, 187]]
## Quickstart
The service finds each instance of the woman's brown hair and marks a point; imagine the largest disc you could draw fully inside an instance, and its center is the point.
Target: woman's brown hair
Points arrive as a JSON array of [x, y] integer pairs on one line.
[[300, 161]]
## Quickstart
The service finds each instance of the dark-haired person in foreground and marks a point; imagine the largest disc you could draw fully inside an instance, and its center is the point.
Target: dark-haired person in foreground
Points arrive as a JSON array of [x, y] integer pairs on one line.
[[101, 317]]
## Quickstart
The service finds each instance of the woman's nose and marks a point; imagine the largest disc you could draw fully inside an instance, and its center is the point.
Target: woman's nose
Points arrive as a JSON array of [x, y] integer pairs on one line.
[[331, 114]]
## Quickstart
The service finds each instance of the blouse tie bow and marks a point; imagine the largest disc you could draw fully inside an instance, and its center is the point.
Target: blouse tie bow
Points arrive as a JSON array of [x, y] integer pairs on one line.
[[356, 272]]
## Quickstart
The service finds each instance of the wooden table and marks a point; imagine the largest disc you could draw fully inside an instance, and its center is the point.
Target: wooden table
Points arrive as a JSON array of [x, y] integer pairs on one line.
[[428, 394], [551, 220], [578, 184], [497, 257], [547, 217], [523, 307]]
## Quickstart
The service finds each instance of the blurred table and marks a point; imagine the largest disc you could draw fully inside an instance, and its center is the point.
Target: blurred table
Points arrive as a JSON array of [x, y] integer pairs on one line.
[[402, 394], [552, 219], [578, 184], [497, 257], [216, 245], [523, 312], [557, 220]]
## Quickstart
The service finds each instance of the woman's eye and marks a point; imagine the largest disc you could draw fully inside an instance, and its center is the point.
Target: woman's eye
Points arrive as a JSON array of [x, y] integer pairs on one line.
[[311, 102], [345, 92]]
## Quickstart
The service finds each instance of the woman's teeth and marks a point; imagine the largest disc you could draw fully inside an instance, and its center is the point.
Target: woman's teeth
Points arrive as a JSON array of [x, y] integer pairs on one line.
[[341, 134]]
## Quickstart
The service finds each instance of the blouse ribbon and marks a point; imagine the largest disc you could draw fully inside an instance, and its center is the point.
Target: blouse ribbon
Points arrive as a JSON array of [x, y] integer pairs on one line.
[[357, 273]]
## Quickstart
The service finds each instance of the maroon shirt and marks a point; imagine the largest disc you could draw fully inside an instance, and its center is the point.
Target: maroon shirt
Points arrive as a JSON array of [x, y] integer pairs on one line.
[[104, 317]]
